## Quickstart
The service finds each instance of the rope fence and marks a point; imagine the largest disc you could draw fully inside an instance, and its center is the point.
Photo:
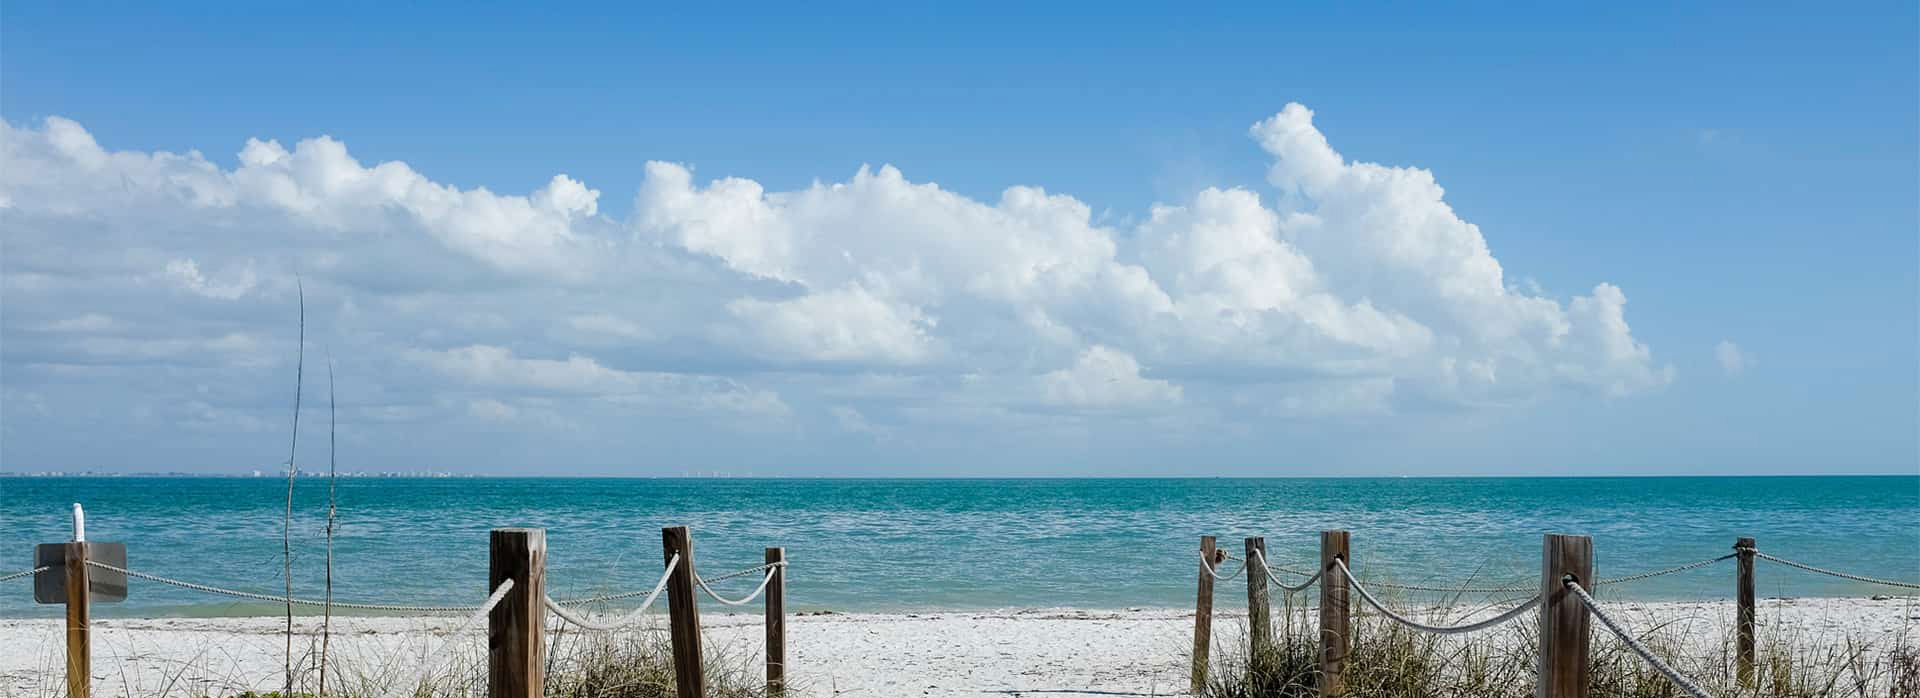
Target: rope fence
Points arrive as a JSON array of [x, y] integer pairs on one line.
[[1503, 617], [516, 609], [628, 620], [517, 605], [1562, 635]]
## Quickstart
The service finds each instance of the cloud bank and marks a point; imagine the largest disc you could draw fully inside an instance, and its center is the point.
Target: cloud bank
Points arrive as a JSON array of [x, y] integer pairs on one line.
[[876, 305]]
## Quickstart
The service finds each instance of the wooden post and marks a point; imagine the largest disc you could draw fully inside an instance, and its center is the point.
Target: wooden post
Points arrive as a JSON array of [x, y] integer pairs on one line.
[[517, 626], [1744, 617], [1203, 617], [1259, 622], [1564, 621], [683, 610], [1335, 615], [79, 616], [777, 624]]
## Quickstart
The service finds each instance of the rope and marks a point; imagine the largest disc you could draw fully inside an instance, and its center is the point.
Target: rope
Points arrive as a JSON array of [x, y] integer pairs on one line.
[[1683, 682], [1264, 567], [398, 690], [499, 593], [1451, 590], [278, 599], [1517, 589], [1670, 570], [1832, 573], [28, 573], [742, 601], [1207, 565], [1505, 616], [747, 571], [625, 621]]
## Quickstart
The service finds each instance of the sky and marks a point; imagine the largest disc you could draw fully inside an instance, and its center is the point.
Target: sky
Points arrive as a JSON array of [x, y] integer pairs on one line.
[[962, 240]]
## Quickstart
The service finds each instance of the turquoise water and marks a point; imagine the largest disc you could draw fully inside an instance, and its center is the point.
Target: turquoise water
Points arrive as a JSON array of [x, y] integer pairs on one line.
[[874, 545]]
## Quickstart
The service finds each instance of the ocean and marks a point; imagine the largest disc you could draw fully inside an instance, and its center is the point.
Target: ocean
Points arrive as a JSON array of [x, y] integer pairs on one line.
[[878, 545]]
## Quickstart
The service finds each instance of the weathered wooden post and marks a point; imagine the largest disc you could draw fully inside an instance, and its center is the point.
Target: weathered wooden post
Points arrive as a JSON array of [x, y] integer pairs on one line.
[[1203, 616], [517, 626], [1259, 623], [777, 623], [1335, 615], [1564, 621], [683, 610], [79, 616], [1744, 548]]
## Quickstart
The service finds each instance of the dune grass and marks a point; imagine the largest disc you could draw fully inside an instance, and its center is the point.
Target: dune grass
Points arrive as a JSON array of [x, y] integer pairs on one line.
[[632, 665], [1387, 660]]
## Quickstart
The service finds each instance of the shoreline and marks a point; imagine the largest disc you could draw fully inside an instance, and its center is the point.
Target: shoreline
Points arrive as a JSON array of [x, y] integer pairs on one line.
[[1055, 651]]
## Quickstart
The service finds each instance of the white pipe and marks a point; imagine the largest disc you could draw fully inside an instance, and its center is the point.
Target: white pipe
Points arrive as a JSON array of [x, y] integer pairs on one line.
[[79, 524]]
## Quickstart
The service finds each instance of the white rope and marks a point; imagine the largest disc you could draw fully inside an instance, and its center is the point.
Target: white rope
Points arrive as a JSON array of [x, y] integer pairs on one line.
[[747, 571], [1207, 565], [278, 599], [1833, 573], [742, 601], [626, 621], [28, 573], [1683, 682], [499, 592], [1504, 616], [1264, 567]]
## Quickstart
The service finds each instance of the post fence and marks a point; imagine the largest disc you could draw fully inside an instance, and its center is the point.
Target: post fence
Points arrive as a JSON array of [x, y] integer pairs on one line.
[[1203, 616], [1564, 619], [777, 623], [689, 677], [79, 617], [1259, 618], [1335, 614], [1744, 616], [517, 626]]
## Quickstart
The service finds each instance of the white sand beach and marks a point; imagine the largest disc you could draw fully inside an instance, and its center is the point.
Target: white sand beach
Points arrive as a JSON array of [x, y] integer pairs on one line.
[[1034, 652]]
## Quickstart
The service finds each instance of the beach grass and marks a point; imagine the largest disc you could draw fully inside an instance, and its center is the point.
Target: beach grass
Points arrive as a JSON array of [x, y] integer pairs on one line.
[[579, 665], [1388, 660]]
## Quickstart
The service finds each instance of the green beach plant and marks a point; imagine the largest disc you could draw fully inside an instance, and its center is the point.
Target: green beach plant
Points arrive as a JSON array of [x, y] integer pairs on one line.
[[1388, 660]]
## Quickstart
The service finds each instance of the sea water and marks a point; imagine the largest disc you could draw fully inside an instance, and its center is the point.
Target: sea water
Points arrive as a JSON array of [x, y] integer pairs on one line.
[[905, 544]]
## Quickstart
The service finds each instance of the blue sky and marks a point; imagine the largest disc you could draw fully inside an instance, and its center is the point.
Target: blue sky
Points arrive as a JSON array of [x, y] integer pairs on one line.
[[1742, 174]]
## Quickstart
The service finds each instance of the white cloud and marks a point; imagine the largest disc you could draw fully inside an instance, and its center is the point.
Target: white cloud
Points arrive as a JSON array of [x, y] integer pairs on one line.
[[497, 368], [1103, 377], [1732, 359], [186, 274], [845, 324], [492, 410], [1346, 289]]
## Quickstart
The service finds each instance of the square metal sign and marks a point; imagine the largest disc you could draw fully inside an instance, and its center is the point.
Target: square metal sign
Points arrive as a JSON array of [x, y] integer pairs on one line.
[[103, 585]]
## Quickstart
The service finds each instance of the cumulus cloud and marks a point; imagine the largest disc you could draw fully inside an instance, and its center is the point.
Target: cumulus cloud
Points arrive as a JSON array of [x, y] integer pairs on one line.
[[1103, 377], [1732, 359], [1338, 289]]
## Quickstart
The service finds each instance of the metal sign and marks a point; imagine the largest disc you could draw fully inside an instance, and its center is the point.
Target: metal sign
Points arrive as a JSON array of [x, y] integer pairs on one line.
[[103, 585]]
